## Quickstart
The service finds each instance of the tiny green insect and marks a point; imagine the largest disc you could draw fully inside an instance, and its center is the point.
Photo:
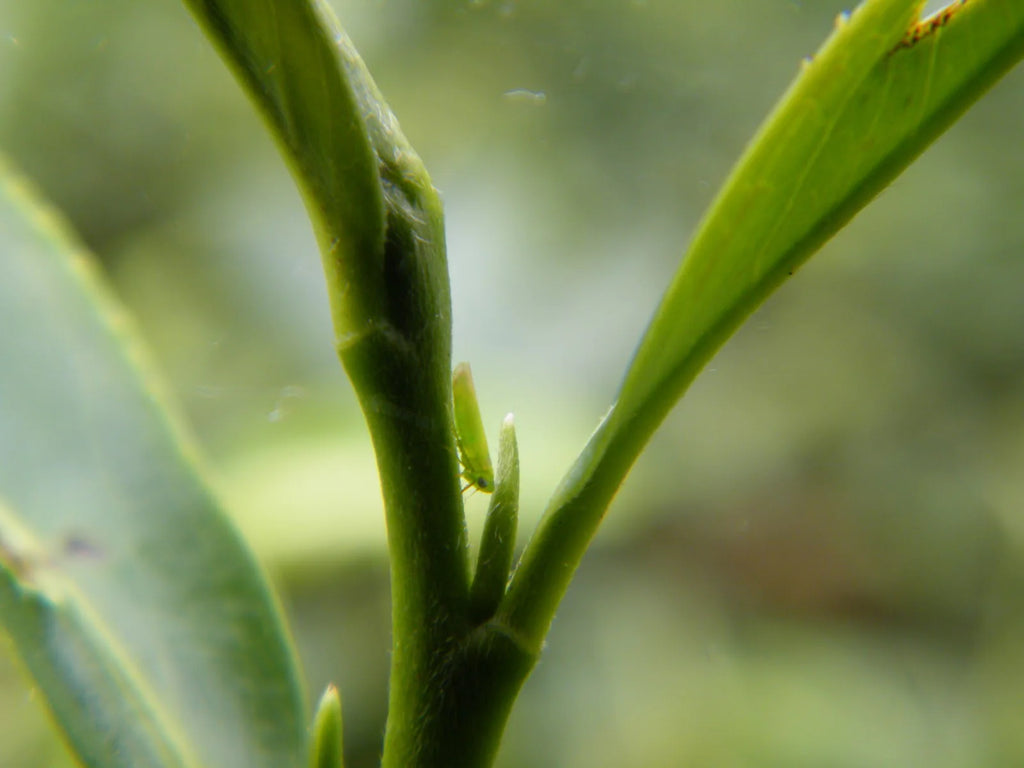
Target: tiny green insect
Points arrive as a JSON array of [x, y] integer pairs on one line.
[[469, 432]]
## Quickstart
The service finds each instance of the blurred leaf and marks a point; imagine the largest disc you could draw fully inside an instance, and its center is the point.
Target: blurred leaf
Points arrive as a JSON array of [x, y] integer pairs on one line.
[[65, 650], [131, 599]]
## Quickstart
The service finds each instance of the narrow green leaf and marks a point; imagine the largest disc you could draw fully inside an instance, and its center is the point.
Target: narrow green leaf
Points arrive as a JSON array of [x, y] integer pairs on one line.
[[145, 621], [863, 108], [872, 99], [498, 540]]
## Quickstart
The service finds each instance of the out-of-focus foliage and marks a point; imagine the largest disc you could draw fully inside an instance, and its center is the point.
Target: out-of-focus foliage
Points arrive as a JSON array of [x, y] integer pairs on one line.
[[125, 589], [809, 566]]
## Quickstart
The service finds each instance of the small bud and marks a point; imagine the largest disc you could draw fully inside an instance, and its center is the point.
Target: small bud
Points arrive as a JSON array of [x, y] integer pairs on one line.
[[326, 748], [498, 541]]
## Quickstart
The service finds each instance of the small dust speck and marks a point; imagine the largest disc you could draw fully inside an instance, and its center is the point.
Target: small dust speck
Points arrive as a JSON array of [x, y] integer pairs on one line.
[[525, 96]]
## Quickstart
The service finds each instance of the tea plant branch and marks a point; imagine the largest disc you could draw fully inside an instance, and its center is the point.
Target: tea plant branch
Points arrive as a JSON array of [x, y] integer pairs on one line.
[[875, 95], [380, 229], [880, 90]]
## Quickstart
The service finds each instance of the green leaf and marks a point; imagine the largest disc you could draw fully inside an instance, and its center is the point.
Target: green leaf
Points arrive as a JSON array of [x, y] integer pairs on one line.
[[132, 601], [70, 659], [863, 108], [872, 99], [498, 540]]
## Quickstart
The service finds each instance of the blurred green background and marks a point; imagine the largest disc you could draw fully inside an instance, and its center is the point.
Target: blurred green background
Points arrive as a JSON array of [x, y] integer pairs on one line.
[[818, 561]]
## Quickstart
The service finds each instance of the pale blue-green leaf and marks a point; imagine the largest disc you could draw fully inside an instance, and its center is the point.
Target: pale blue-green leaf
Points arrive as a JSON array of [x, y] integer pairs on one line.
[[140, 612], [107, 714]]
